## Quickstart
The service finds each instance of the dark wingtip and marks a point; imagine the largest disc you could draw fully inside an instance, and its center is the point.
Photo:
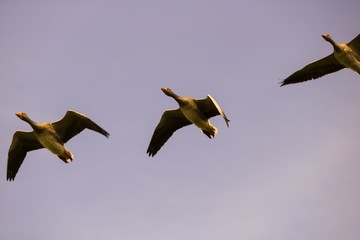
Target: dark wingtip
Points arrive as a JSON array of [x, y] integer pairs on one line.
[[10, 177], [287, 83], [227, 122], [151, 154], [105, 133], [282, 83]]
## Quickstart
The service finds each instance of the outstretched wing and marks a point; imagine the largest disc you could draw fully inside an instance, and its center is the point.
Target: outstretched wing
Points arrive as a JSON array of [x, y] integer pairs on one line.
[[355, 44], [170, 121], [211, 108], [22, 143], [314, 70], [73, 123]]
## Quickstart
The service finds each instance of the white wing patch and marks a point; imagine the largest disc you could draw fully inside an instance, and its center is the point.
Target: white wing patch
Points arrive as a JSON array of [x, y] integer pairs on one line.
[[219, 109]]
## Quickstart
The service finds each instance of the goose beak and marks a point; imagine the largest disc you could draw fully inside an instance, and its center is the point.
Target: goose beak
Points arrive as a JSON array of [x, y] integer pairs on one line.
[[18, 114], [165, 89], [326, 36]]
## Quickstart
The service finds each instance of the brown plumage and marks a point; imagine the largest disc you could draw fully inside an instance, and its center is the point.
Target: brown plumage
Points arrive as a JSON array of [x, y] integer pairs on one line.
[[191, 111], [47, 135], [346, 55]]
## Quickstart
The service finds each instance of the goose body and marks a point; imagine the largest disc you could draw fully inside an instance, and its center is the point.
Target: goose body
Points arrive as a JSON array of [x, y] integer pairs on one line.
[[50, 135], [345, 55], [50, 140], [190, 111], [348, 57]]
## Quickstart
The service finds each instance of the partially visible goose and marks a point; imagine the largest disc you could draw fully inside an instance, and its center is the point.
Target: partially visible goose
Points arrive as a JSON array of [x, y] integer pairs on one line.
[[49, 135], [191, 111], [346, 55]]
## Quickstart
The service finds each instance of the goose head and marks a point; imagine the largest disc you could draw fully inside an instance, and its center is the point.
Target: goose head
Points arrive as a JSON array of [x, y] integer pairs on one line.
[[167, 91], [22, 116], [330, 40], [180, 100], [327, 37], [25, 118]]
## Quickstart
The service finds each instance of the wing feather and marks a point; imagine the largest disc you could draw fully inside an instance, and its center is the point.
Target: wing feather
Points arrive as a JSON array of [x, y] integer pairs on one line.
[[170, 121], [22, 143], [211, 108], [73, 123], [314, 70], [355, 44]]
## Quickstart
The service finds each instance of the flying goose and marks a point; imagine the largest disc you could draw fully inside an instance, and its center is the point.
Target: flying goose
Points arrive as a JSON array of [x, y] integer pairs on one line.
[[50, 135], [346, 55], [191, 111]]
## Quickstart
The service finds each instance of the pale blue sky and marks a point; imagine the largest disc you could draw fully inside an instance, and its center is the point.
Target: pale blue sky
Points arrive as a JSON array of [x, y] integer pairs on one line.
[[287, 168]]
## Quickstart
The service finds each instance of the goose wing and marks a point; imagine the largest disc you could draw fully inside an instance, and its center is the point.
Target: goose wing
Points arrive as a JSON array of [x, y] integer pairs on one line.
[[73, 123], [22, 143], [314, 70], [170, 121], [211, 108], [355, 44]]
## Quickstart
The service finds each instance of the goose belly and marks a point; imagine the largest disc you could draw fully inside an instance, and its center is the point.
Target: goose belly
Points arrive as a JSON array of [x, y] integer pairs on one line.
[[349, 60], [49, 142], [196, 118]]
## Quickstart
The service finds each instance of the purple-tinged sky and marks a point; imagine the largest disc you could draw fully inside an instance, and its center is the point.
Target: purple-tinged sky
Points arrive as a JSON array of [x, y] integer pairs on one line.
[[287, 168]]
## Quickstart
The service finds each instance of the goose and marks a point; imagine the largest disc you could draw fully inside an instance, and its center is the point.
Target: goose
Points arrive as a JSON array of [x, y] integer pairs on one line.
[[50, 135], [345, 55], [191, 111]]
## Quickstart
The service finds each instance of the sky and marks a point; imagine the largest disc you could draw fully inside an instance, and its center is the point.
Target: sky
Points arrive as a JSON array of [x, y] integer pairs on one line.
[[286, 168]]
